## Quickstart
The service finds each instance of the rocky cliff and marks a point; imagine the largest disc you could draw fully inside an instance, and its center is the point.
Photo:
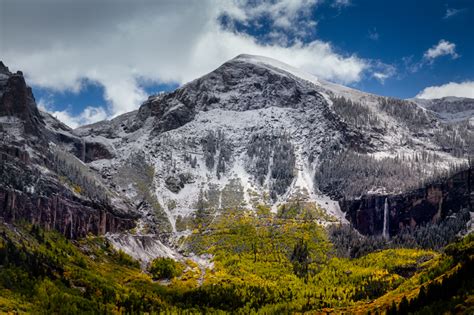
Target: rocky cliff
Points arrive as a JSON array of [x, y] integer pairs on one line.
[[429, 204], [73, 218], [42, 178]]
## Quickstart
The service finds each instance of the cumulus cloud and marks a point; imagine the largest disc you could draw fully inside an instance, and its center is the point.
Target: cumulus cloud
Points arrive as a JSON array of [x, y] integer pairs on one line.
[[89, 115], [289, 20], [121, 43], [285, 14], [443, 48], [463, 89]]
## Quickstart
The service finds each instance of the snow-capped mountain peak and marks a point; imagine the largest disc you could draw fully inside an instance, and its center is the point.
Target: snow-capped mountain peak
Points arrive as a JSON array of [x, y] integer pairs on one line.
[[256, 131], [253, 134], [276, 65]]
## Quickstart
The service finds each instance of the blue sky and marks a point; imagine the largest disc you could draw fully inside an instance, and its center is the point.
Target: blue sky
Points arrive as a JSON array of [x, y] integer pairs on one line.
[[97, 59], [404, 31], [91, 93]]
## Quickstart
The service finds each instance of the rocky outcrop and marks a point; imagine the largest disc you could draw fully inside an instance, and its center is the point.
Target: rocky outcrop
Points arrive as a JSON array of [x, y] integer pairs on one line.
[[27, 194], [177, 182], [16, 99], [38, 187], [428, 204], [8, 152], [70, 217], [96, 151]]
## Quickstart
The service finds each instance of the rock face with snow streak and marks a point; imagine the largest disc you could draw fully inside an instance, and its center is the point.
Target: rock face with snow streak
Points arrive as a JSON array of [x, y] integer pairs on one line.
[[17, 100], [429, 204], [252, 132], [40, 182], [256, 131]]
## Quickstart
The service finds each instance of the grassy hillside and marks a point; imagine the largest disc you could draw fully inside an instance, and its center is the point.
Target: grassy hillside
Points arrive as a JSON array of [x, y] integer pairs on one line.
[[262, 263]]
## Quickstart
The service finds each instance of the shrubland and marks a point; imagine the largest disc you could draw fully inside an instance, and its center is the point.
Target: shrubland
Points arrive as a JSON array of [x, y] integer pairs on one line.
[[262, 263]]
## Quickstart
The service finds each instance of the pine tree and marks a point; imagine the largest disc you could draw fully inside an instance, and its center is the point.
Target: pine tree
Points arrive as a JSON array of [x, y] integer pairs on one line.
[[392, 310], [300, 258], [403, 306]]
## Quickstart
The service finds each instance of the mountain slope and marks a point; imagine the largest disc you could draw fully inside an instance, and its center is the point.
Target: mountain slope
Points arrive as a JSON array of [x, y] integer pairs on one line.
[[450, 109], [43, 179], [225, 195], [256, 131]]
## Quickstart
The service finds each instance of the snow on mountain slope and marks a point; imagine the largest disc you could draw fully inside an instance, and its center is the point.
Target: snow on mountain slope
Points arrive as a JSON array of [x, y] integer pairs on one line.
[[253, 133], [326, 87], [44, 179], [450, 109], [275, 65], [256, 131]]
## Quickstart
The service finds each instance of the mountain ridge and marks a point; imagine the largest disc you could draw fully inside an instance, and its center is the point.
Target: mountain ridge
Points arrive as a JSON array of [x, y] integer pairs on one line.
[[258, 132], [41, 183]]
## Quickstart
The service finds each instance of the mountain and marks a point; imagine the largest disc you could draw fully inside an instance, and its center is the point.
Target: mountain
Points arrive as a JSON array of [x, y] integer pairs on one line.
[[256, 131], [255, 188], [449, 109], [41, 180], [252, 132]]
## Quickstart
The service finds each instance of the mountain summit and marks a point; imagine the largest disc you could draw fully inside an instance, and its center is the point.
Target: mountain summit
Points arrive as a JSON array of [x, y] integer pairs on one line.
[[253, 133], [256, 131]]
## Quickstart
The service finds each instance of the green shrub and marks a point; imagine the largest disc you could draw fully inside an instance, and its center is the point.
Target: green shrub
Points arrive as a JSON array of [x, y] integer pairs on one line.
[[165, 268], [126, 260]]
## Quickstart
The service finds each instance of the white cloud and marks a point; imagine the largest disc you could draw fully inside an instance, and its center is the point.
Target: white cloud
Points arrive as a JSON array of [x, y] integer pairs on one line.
[[382, 71], [342, 3], [285, 14], [381, 76], [119, 43], [450, 12], [463, 89], [443, 48], [89, 115]]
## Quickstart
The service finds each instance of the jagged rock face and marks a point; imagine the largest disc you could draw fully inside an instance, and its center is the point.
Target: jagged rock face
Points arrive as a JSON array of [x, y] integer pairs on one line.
[[426, 205], [16, 99], [235, 86], [27, 194], [40, 182], [74, 219], [96, 151]]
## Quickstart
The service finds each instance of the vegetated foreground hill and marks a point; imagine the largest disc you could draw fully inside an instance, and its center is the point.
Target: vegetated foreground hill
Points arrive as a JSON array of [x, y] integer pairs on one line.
[[239, 181], [261, 265]]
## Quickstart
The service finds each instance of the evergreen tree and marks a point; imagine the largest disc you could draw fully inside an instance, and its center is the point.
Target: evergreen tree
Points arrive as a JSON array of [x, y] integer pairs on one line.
[[392, 310], [403, 306], [300, 258]]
